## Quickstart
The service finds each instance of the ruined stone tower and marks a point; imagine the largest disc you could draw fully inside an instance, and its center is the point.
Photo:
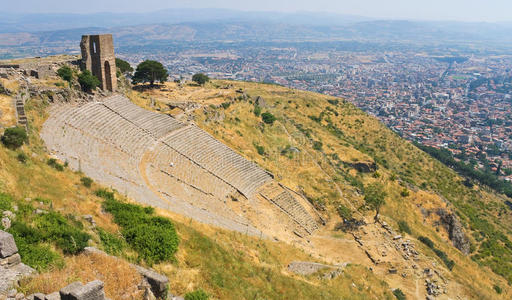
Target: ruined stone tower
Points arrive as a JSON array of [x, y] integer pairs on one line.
[[98, 57]]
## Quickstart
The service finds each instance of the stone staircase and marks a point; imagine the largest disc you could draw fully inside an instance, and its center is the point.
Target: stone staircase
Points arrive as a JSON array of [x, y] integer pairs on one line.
[[20, 111], [283, 199]]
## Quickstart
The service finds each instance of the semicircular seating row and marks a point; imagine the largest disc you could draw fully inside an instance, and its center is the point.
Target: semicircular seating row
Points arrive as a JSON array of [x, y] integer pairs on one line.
[[178, 153]]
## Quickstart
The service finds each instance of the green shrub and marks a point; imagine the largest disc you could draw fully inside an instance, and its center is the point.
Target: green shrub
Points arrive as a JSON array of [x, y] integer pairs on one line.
[[200, 78], [155, 241], [399, 294], [52, 162], [14, 137], [317, 145], [87, 81], [426, 241], [28, 239], [111, 244], [404, 227], [404, 192], [257, 110], [226, 105], [22, 157], [86, 181], [197, 295], [344, 212], [498, 289], [55, 228], [268, 118], [5, 202], [260, 149], [154, 238], [65, 73]]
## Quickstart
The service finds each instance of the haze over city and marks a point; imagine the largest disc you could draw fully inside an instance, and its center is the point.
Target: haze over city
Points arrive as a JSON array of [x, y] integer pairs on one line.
[[455, 10]]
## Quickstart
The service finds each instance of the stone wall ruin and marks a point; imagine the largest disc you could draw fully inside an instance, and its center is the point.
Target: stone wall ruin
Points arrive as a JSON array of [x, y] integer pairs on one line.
[[98, 57]]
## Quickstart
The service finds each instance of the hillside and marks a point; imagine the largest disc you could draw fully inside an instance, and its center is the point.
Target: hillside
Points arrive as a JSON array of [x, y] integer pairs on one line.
[[322, 148]]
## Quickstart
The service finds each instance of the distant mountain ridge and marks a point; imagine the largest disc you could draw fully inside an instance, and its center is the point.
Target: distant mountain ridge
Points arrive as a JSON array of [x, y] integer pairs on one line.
[[14, 23]]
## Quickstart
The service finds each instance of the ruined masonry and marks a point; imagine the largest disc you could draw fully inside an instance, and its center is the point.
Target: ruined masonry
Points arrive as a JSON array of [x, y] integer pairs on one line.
[[98, 57], [11, 267]]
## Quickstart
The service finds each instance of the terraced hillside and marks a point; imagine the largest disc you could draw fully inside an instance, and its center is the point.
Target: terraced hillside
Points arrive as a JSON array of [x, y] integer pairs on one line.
[[160, 161]]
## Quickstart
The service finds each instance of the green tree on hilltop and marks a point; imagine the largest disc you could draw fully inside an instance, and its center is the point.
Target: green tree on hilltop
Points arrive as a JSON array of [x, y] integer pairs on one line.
[[200, 78], [150, 71], [123, 66]]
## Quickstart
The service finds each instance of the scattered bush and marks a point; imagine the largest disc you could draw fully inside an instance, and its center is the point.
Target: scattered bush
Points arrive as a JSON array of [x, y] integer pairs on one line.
[[111, 244], [14, 137], [426, 241], [87, 81], [5, 202], [404, 227], [52, 162], [28, 239], [65, 73], [448, 262], [498, 289], [344, 212], [86, 181], [55, 228], [404, 192], [200, 78], [226, 105], [154, 238], [399, 294], [260, 149], [197, 295], [257, 110], [317, 145], [22, 157], [268, 118]]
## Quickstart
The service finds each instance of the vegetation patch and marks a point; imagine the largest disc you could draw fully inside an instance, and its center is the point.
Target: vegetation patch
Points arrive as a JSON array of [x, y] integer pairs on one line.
[[448, 262], [14, 137], [197, 295], [154, 238]]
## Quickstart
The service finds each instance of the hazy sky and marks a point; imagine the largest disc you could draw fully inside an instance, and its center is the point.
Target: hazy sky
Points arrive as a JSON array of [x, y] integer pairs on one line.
[[462, 10]]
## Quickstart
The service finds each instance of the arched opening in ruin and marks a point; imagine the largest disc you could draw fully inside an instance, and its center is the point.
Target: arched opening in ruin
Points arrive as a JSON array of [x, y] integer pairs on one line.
[[108, 77]]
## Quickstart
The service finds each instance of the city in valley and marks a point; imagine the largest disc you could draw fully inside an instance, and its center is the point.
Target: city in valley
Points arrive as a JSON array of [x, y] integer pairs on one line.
[[461, 103]]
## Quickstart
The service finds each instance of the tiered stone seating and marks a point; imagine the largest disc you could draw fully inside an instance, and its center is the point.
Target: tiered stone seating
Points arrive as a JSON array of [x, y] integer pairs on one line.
[[157, 124], [110, 140], [286, 201], [218, 159]]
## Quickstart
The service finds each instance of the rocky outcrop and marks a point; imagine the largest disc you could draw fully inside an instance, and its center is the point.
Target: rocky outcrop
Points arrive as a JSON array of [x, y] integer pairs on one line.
[[455, 230]]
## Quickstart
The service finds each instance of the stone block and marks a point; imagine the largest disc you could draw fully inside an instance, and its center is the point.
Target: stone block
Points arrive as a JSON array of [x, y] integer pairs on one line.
[[7, 245], [53, 296], [65, 293], [39, 296], [91, 291], [157, 281]]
